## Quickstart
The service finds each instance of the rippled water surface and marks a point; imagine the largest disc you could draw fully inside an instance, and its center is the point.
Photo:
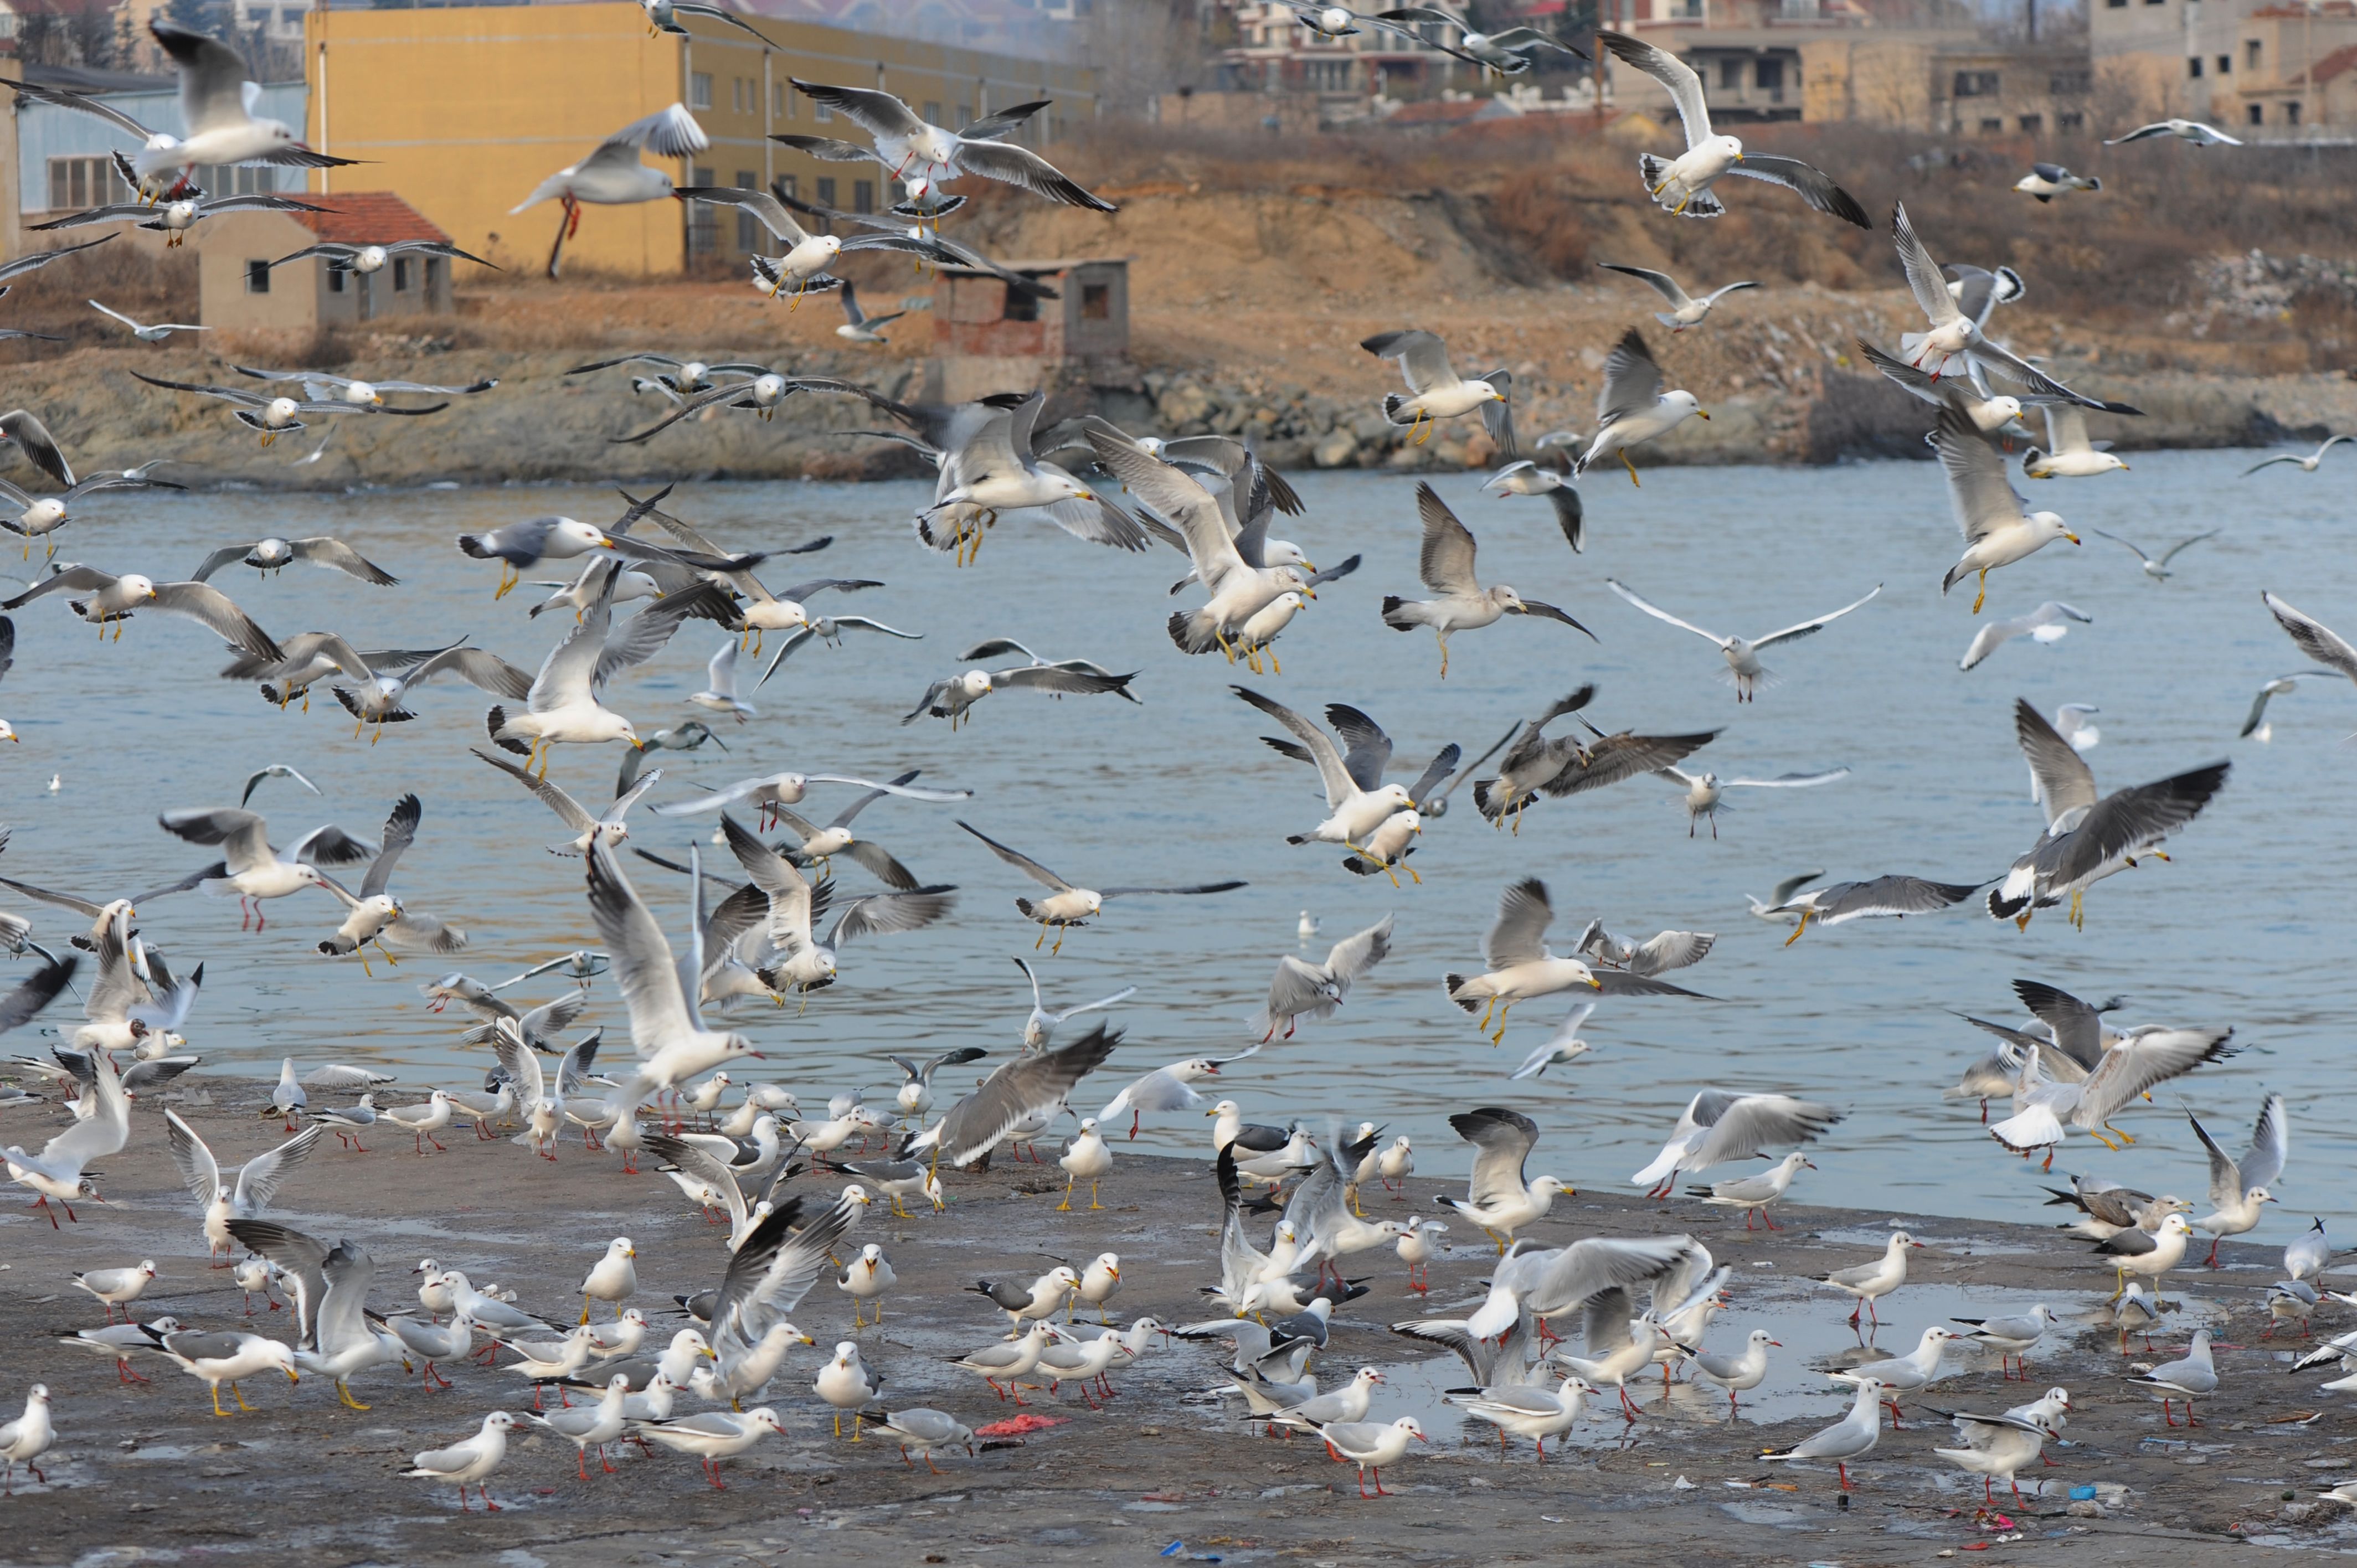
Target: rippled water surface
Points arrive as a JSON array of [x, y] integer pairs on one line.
[[2248, 926]]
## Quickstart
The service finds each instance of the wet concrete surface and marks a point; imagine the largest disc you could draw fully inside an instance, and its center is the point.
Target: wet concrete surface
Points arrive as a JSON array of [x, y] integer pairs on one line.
[[147, 1473]]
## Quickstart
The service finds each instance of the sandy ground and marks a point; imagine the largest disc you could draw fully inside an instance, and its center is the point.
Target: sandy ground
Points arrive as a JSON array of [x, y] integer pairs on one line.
[[146, 1473]]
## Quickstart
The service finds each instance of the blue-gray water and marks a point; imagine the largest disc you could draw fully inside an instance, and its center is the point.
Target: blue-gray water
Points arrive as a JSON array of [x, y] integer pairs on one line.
[[2248, 926]]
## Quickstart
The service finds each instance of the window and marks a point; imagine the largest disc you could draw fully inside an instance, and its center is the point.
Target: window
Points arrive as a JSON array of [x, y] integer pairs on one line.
[[1730, 75], [749, 229], [863, 196], [2225, 65], [2250, 54], [786, 187], [821, 112], [335, 276], [257, 277], [2069, 83], [2117, 4], [737, 94], [703, 223], [1992, 127], [2258, 115], [2033, 123], [932, 111], [1976, 85], [2291, 112], [1021, 306], [240, 179], [780, 106], [965, 114], [1767, 75], [401, 274], [1096, 302], [2071, 121], [826, 190], [289, 17], [699, 90], [2193, 67], [77, 183]]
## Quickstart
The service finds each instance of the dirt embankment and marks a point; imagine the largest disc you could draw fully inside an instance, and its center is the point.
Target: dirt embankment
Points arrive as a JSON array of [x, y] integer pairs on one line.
[[2227, 311]]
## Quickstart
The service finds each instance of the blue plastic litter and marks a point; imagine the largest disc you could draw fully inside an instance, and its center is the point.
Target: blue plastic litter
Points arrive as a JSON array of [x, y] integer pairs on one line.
[[1176, 1547], [2078, 1494]]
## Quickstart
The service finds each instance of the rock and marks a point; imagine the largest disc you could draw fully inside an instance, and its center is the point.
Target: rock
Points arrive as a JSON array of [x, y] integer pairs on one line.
[[2087, 1508], [1184, 403], [1337, 449], [2300, 1513]]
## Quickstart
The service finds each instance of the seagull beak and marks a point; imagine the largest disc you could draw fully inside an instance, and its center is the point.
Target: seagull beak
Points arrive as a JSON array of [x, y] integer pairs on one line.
[[1594, 984], [1702, 414], [1211, 1113], [2070, 536], [1777, 1343], [291, 1377]]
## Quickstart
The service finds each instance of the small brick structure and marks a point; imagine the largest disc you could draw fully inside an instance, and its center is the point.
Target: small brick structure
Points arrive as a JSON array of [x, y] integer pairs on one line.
[[990, 338], [308, 294]]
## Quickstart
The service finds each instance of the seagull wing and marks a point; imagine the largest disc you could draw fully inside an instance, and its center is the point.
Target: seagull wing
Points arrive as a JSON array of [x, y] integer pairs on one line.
[[1021, 862], [1806, 626], [1340, 785], [1447, 563], [1685, 87], [1176, 496], [1660, 614], [1422, 358], [1518, 936], [1924, 279], [1019, 1090], [199, 1172], [323, 550], [643, 966], [1757, 1122], [259, 1179], [1979, 493], [202, 602], [760, 204], [1786, 780], [2312, 637], [1662, 284], [568, 811], [2148, 1057], [2270, 1145], [1888, 896], [1815, 186], [887, 914], [1019, 165], [212, 78], [1502, 1140], [1632, 378]]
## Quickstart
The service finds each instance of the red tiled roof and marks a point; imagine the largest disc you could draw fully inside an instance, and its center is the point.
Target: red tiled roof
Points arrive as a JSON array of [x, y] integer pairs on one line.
[[365, 217], [2337, 63]]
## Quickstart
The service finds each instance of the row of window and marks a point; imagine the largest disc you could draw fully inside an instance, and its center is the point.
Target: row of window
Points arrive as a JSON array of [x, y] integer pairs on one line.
[[2033, 124], [406, 274], [703, 224], [2226, 63]]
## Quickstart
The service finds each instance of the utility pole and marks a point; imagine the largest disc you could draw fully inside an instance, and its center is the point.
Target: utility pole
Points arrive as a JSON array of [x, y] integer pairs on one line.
[[2032, 7]]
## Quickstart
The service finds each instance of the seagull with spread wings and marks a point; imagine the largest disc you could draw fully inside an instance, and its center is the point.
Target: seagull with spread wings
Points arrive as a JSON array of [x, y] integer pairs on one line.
[[1631, 406], [1534, 765], [173, 219], [1998, 530], [613, 176], [1436, 392], [1955, 340], [1742, 654], [1446, 567], [1068, 904], [1030, 1089], [326, 386], [1722, 1124], [1706, 793], [275, 554], [276, 416], [2307, 465], [1520, 967], [375, 916], [113, 598], [1891, 897], [42, 516], [216, 100], [2311, 637], [1683, 185], [147, 332], [244, 1194], [1685, 310], [2089, 835], [1357, 801], [909, 146], [2048, 623]]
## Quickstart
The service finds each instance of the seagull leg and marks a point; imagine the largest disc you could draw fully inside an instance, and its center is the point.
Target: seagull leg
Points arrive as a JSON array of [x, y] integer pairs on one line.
[[239, 1396], [1632, 467], [1093, 1204], [1444, 655], [217, 1409], [1066, 1206], [1498, 1037], [1798, 929], [1982, 596]]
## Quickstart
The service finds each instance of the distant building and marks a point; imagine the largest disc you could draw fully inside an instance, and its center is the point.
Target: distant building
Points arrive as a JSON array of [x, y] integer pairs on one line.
[[989, 338], [466, 108], [2250, 67], [241, 292], [1956, 84]]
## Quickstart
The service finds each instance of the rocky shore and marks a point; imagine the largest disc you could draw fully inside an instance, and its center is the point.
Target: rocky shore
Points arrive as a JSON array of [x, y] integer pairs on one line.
[[146, 1472]]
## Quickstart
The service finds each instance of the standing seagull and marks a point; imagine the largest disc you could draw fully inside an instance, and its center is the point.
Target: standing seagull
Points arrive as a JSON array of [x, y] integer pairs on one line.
[[2193, 1373], [1631, 407], [1742, 655], [1446, 567], [1683, 185], [612, 176], [1684, 311], [1854, 1435], [1997, 532], [1436, 392], [913, 148]]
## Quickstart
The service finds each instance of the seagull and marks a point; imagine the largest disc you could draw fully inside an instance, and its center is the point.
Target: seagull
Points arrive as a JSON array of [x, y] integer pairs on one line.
[[1955, 334], [1357, 800], [368, 259], [275, 554], [776, 790], [909, 146], [916, 1092], [1754, 1194], [141, 331], [830, 629], [32, 438], [2156, 570], [2308, 634], [113, 599], [2237, 1188], [1033, 1085], [2307, 465], [1040, 1027], [953, 696], [719, 692], [175, 218], [613, 176], [249, 868], [42, 516], [858, 326], [216, 103], [563, 706], [1446, 567], [1997, 532], [2013, 1337], [1525, 477], [376, 917], [1684, 185], [663, 16], [276, 416], [1869, 1283], [327, 387], [1508, 52], [2257, 722], [35, 261], [2131, 1064], [1313, 991], [2192, 131], [1565, 1047], [2089, 836], [1705, 793], [2046, 181], [1068, 904], [1535, 766], [1521, 966], [1893, 896], [1720, 1124], [1992, 415], [667, 1031], [1742, 654], [1684, 311], [609, 827], [466, 1464], [1167, 1088], [2048, 623], [2193, 1373], [1436, 392], [1502, 1199], [218, 1359], [1631, 407], [2067, 454], [253, 1188], [989, 464]]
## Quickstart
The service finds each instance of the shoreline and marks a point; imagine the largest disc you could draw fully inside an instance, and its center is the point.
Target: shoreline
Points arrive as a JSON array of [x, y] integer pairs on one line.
[[1156, 1463]]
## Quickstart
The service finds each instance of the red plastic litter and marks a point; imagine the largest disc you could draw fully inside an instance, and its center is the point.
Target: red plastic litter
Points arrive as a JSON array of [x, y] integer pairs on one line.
[[1020, 1425]]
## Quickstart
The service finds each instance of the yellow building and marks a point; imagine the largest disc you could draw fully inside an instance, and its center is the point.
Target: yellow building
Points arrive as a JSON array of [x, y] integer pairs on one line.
[[463, 109]]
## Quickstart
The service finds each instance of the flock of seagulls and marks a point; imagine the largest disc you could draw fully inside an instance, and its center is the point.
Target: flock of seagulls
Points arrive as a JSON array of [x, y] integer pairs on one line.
[[683, 1096]]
